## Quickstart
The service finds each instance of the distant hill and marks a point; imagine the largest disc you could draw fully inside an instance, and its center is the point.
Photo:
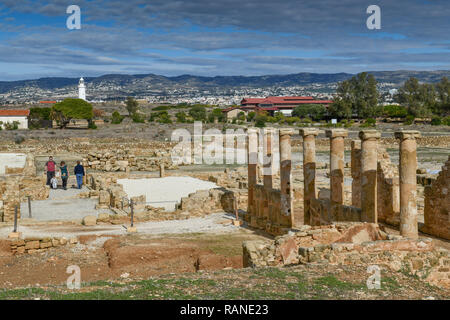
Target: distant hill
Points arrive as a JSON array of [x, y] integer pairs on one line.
[[157, 81]]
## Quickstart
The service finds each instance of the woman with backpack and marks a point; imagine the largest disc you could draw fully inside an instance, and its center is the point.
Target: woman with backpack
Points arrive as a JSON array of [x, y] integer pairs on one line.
[[64, 174]]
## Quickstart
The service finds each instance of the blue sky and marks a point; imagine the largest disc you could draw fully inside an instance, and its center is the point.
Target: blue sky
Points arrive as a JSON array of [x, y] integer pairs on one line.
[[226, 37]]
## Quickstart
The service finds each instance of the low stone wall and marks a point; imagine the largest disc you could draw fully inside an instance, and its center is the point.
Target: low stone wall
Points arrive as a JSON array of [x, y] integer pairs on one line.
[[110, 194], [437, 205], [34, 245], [323, 212], [357, 243], [124, 160], [15, 188], [208, 201]]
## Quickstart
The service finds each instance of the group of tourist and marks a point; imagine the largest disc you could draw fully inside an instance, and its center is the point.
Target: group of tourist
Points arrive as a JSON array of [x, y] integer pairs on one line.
[[52, 181]]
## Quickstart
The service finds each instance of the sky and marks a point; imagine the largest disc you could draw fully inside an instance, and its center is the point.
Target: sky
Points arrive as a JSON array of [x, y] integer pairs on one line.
[[220, 37]]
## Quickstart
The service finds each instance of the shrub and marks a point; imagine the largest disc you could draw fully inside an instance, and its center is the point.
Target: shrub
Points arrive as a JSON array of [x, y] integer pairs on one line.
[[181, 117], [395, 111], [11, 125], [161, 108], [18, 139], [291, 120], [260, 121], [446, 121], [198, 113], [436, 121], [251, 116], [137, 118], [40, 113], [92, 125], [315, 111], [409, 119], [116, 118], [370, 122]]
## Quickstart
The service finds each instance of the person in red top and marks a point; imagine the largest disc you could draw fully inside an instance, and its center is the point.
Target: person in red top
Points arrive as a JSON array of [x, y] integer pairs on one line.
[[50, 168]]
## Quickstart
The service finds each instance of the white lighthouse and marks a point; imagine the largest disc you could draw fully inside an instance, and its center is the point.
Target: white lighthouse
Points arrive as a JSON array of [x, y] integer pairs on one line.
[[81, 89]]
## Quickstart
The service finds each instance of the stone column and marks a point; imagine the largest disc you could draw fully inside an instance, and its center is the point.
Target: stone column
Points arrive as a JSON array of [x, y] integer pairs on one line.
[[287, 204], [356, 173], [252, 145], [369, 145], [268, 158], [337, 164], [408, 183], [309, 170]]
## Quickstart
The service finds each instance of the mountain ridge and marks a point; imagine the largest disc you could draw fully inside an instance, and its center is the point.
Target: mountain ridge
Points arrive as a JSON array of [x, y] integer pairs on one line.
[[303, 78]]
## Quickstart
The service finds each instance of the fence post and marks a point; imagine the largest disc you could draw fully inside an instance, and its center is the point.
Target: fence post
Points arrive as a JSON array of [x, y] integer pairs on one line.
[[29, 207], [132, 213], [15, 218]]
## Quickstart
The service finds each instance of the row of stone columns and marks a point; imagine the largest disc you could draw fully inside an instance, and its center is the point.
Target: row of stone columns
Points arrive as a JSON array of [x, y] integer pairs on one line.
[[367, 184], [285, 168]]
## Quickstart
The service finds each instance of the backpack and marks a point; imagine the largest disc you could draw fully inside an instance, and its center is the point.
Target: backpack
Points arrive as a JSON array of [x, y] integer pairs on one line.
[[54, 183]]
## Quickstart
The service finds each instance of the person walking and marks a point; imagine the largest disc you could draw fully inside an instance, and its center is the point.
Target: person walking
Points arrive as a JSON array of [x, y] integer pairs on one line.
[[79, 173], [50, 168], [64, 174]]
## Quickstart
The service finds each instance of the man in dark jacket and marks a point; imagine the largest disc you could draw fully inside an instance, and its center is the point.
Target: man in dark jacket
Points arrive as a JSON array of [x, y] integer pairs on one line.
[[79, 173]]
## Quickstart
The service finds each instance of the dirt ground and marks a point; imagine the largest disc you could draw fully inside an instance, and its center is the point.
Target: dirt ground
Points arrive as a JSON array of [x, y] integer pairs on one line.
[[137, 256]]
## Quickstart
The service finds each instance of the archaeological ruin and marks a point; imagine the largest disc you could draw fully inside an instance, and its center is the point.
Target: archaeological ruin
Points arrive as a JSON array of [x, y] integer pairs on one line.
[[364, 209]]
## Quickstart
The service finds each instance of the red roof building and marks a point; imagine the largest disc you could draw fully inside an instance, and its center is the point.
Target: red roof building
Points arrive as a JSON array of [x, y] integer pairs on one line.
[[14, 113]]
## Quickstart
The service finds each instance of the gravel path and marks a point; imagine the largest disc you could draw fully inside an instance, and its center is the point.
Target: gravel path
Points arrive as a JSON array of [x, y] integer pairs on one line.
[[214, 223]]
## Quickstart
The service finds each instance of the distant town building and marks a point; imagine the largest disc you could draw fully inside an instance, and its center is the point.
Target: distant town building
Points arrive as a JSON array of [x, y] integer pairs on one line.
[[284, 105], [47, 102], [234, 112], [81, 89], [10, 116]]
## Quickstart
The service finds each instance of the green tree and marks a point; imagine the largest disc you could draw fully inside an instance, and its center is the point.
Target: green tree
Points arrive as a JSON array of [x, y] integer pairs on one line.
[[443, 94], [418, 98], [69, 109], [181, 117], [357, 95], [250, 116], [314, 111], [260, 119], [132, 106], [198, 113], [116, 118], [216, 114]]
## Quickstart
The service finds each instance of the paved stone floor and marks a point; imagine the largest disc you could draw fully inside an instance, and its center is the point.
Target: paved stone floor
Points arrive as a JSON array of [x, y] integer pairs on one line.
[[62, 205]]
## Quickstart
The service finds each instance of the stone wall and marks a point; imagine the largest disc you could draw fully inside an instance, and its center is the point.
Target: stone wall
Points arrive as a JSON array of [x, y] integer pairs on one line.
[[208, 201], [123, 160], [323, 212], [10, 196], [437, 205], [351, 243], [388, 190], [111, 195], [35, 245]]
